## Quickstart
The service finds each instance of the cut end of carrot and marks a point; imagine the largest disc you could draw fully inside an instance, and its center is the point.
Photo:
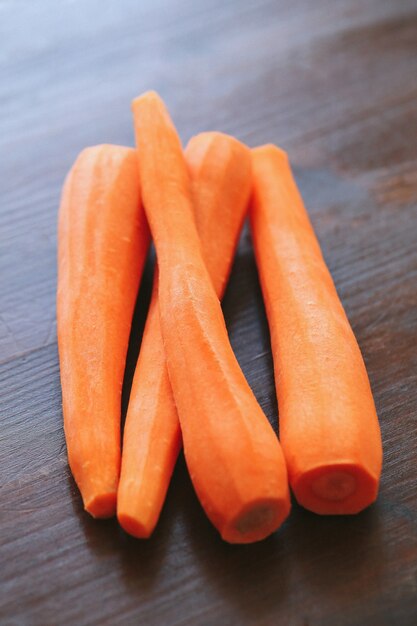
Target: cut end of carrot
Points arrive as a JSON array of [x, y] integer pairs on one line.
[[133, 527], [334, 486], [102, 505], [257, 521], [342, 489]]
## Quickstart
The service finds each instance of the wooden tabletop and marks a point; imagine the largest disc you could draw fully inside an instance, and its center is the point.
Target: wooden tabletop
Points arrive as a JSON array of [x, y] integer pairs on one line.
[[335, 84]]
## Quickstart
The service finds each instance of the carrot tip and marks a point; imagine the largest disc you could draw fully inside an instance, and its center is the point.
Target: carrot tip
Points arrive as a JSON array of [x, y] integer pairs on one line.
[[102, 505], [271, 150], [133, 527], [257, 521], [342, 489]]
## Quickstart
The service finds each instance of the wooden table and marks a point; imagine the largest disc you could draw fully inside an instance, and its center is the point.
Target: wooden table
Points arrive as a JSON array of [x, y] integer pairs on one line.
[[335, 84]]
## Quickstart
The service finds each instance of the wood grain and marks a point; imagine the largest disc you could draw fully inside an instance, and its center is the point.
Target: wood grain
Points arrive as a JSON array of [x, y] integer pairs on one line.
[[334, 83]]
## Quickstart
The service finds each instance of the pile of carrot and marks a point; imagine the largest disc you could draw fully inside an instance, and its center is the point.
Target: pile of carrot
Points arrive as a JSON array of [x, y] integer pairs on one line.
[[188, 389]]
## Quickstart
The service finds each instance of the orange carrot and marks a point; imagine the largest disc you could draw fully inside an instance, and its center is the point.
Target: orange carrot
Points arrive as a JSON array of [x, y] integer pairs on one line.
[[220, 173], [103, 239], [328, 424], [234, 457]]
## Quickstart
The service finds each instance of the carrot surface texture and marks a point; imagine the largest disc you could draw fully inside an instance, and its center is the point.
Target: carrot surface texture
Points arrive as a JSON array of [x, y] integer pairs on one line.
[[103, 239], [220, 170], [233, 455], [329, 429]]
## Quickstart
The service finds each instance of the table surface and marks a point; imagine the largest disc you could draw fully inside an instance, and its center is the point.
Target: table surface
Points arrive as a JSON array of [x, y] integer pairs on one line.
[[335, 84]]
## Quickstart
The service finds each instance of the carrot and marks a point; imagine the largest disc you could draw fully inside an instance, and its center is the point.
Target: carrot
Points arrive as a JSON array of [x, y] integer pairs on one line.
[[328, 424], [220, 172], [233, 456], [103, 239]]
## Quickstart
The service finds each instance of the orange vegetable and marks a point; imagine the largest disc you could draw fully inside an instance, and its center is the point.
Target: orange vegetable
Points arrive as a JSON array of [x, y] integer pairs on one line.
[[328, 424], [233, 456], [220, 173], [103, 239]]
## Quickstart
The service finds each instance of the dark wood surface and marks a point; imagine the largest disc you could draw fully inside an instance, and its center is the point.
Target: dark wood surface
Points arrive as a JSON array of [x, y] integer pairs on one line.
[[334, 83]]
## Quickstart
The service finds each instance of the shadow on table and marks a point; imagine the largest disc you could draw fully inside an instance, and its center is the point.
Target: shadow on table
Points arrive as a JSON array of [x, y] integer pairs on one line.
[[138, 561], [309, 558]]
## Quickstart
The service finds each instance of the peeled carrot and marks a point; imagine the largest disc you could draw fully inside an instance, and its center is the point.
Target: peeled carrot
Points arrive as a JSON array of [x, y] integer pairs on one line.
[[328, 424], [103, 239], [233, 455], [220, 169]]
